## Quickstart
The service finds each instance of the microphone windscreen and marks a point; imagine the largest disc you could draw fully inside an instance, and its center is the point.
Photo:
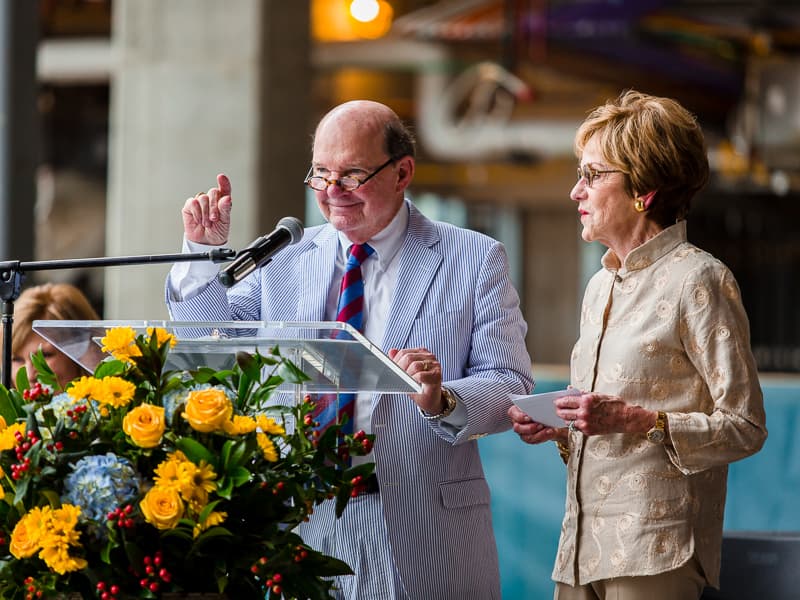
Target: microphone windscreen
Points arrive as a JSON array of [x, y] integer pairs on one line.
[[294, 226]]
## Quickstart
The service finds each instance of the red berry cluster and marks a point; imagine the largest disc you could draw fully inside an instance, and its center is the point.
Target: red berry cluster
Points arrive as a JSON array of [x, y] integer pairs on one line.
[[358, 486], [19, 469], [122, 516], [33, 393], [366, 443], [77, 412], [300, 554], [155, 573], [31, 589], [273, 585], [105, 591]]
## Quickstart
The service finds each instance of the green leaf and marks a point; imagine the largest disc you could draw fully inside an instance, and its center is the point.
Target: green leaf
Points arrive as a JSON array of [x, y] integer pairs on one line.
[[237, 454], [44, 373], [238, 476], [111, 368], [249, 365], [195, 451], [342, 498], [22, 382], [10, 405], [288, 371], [207, 510]]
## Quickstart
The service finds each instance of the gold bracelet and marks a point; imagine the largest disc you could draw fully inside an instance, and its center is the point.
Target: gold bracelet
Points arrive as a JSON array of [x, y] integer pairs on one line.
[[563, 450]]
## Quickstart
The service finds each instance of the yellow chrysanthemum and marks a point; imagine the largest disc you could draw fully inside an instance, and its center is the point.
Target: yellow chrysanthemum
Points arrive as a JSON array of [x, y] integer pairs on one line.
[[3, 424], [239, 425], [267, 447], [267, 424], [204, 477], [172, 475], [162, 336], [56, 556], [8, 437], [27, 534], [120, 342], [213, 519], [115, 391], [84, 388]]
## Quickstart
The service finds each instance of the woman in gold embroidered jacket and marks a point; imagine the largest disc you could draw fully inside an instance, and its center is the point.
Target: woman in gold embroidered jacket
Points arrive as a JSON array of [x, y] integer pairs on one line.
[[670, 393]]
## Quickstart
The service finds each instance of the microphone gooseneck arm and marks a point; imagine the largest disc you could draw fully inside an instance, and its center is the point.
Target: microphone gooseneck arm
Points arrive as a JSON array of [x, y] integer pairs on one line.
[[13, 272]]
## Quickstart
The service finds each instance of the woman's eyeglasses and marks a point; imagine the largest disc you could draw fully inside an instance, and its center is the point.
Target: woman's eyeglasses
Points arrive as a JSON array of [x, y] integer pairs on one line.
[[590, 175]]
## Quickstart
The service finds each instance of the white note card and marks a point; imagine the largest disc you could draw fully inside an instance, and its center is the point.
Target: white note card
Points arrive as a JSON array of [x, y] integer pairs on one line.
[[540, 407]]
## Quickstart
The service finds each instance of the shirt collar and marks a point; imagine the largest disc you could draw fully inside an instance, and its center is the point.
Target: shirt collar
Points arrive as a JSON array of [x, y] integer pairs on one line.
[[386, 242], [653, 249]]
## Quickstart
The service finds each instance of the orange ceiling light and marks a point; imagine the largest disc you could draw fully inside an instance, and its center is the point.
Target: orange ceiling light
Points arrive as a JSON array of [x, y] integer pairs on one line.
[[347, 20]]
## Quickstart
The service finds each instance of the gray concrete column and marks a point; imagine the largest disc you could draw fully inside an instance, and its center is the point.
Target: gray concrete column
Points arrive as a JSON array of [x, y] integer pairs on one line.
[[19, 133], [201, 87], [552, 273]]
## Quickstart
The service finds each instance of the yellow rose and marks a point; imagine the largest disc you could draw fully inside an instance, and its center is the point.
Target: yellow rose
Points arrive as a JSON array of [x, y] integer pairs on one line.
[[162, 507], [145, 425], [26, 537], [208, 410]]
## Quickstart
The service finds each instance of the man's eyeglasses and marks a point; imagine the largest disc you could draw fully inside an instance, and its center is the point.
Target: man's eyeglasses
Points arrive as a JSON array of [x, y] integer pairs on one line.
[[589, 174], [348, 183]]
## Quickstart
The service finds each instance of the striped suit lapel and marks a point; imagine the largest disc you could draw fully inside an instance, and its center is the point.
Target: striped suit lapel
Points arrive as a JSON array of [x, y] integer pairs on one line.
[[314, 268], [417, 269]]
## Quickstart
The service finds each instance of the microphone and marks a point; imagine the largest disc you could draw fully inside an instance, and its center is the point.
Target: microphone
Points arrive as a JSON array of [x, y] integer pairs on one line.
[[288, 231]]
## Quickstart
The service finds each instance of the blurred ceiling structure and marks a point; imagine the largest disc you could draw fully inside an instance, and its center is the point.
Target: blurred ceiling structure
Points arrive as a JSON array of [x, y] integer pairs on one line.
[[695, 49], [510, 79]]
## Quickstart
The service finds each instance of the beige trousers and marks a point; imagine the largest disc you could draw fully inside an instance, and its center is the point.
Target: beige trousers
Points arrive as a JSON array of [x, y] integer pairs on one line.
[[684, 583]]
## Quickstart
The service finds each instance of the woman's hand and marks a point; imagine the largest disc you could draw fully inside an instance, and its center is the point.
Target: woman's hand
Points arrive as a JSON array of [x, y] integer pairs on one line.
[[533, 432], [598, 414]]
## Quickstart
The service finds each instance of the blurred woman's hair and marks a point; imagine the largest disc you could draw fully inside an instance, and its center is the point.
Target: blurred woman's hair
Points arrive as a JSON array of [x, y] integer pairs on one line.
[[49, 301]]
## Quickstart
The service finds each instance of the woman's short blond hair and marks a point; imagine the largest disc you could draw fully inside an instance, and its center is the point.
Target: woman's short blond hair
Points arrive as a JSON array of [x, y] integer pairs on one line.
[[50, 301], [658, 145]]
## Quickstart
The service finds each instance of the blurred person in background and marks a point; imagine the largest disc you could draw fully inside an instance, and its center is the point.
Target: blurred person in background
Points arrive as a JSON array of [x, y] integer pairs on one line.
[[49, 301], [669, 388]]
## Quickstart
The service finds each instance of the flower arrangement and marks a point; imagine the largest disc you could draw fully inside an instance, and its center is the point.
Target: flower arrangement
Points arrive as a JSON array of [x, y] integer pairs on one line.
[[139, 481]]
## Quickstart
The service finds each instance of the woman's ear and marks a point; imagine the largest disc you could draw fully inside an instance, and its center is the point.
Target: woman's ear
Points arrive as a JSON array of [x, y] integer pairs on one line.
[[647, 199]]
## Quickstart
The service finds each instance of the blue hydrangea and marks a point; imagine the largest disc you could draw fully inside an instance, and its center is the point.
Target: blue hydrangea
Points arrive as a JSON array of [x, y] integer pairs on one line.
[[99, 484], [60, 404]]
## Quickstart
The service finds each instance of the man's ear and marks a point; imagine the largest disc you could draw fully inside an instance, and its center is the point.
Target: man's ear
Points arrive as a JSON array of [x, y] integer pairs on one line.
[[405, 172]]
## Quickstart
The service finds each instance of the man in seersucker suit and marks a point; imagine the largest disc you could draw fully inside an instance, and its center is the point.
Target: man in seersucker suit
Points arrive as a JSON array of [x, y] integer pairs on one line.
[[438, 300]]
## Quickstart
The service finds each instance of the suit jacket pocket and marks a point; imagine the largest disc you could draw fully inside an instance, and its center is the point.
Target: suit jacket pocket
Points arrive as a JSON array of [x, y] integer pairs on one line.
[[464, 492]]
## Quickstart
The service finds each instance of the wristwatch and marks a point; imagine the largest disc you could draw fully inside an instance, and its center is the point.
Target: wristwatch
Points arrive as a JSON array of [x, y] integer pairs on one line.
[[657, 434], [449, 406]]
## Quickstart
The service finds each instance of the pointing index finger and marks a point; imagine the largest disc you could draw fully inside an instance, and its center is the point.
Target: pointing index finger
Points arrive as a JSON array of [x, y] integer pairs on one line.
[[224, 185]]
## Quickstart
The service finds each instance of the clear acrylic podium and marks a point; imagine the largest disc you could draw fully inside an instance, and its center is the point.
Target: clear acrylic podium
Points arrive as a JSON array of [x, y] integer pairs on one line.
[[335, 357]]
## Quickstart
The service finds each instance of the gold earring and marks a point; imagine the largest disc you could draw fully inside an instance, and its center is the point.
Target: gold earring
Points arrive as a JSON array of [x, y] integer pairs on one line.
[[638, 205]]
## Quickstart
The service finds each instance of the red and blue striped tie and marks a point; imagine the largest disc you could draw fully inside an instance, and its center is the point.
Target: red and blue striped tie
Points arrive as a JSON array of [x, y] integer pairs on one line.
[[351, 294], [350, 311]]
